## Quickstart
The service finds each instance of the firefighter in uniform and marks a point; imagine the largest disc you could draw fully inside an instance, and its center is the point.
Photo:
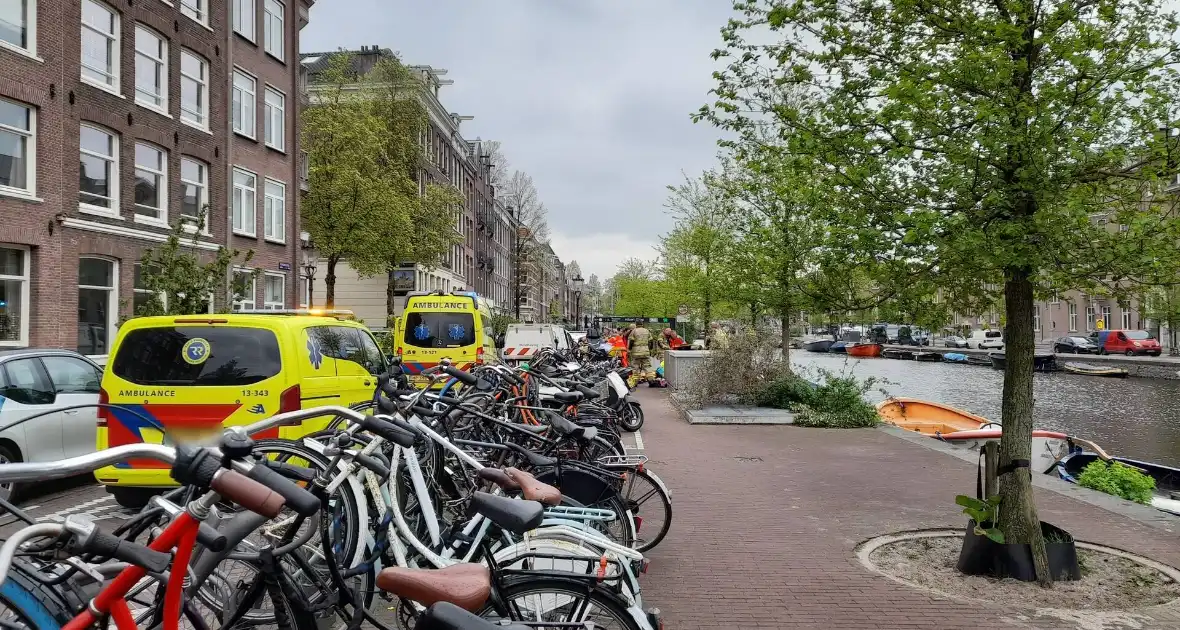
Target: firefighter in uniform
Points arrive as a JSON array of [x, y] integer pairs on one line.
[[639, 348]]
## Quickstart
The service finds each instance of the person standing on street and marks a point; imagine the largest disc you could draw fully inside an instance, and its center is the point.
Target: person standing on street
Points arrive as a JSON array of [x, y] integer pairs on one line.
[[639, 344]]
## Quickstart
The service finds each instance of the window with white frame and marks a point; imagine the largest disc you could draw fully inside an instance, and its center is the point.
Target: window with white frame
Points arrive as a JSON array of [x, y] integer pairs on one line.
[[194, 189], [1107, 321], [244, 290], [274, 292], [143, 299], [99, 175], [196, 9], [304, 292], [1036, 318], [1090, 317], [14, 295], [1055, 298], [275, 126], [100, 45], [151, 69], [18, 148], [18, 24], [243, 103], [151, 182], [194, 89], [244, 13], [1073, 317], [244, 202], [274, 217], [272, 27], [98, 304]]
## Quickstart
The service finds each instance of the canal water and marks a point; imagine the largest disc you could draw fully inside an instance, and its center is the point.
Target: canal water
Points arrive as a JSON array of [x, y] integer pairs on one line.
[[1133, 417]]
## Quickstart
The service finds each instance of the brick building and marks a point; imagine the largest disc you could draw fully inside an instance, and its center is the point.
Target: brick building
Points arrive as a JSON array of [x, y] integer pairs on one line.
[[140, 92]]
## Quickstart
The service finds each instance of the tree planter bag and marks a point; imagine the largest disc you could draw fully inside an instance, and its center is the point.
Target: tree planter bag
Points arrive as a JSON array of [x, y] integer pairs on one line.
[[983, 556]]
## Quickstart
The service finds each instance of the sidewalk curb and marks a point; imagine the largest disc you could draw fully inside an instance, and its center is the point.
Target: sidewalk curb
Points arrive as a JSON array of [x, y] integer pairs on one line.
[[1143, 514]]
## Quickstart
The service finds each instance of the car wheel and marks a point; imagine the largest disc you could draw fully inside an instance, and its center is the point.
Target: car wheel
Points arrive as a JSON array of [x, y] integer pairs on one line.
[[1076, 351], [10, 491], [1130, 353], [133, 498]]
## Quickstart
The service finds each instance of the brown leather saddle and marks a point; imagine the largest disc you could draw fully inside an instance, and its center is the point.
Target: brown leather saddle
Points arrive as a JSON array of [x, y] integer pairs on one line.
[[465, 585]]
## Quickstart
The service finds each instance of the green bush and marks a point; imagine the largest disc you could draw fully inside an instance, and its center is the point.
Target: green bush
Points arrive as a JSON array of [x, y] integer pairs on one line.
[[836, 402], [1118, 479]]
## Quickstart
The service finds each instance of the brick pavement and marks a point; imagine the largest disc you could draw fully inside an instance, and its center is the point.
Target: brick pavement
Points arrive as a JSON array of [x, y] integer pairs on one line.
[[766, 520]]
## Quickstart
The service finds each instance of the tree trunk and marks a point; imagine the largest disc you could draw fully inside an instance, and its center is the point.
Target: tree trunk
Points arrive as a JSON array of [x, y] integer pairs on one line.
[[785, 314], [330, 283], [1018, 512], [390, 299]]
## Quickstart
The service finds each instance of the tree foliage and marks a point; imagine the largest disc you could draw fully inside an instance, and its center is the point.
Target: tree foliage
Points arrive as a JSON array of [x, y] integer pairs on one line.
[[179, 280], [967, 147], [695, 251], [362, 137]]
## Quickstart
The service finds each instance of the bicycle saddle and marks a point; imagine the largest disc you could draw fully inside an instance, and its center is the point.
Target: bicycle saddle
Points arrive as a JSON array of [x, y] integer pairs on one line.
[[532, 458], [568, 398], [534, 490], [565, 427], [465, 585], [513, 515]]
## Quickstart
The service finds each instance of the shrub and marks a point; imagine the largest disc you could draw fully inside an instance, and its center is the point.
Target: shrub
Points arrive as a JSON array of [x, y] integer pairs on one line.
[[836, 402], [1118, 479], [736, 373]]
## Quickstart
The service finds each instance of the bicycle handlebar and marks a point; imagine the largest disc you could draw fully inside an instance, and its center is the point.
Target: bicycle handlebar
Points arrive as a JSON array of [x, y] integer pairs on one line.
[[90, 462]]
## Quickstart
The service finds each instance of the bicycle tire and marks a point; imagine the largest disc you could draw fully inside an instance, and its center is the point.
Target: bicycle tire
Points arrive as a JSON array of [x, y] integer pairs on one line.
[[631, 418], [512, 588], [635, 506], [37, 605]]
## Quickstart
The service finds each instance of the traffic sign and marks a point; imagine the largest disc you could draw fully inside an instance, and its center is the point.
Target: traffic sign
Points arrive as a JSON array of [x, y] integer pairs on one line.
[[683, 310], [1100, 324]]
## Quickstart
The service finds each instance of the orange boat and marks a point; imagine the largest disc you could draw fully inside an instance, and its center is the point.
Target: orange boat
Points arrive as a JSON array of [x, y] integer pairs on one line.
[[930, 418], [864, 349]]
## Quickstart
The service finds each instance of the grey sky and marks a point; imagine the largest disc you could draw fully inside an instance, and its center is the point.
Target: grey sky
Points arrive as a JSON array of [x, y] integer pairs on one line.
[[590, 97]]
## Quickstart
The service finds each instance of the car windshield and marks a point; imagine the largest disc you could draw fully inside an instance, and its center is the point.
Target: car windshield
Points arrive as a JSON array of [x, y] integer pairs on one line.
[[1079, 340], [1138, 334], [439, 329], [197, 355]]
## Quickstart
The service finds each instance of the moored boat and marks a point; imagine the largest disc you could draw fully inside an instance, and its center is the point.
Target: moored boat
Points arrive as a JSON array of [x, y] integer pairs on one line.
[[1041, 362], [975, 359], [964, 429], [928, 417], [838, 347], [930, 357], [1167, 478], [897, 353], [865, 349], [1095, 370], [819, 345], [954, 357]]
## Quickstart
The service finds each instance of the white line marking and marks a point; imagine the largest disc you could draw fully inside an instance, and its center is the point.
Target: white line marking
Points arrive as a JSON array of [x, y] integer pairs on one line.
[[74, 509], [638, 440]]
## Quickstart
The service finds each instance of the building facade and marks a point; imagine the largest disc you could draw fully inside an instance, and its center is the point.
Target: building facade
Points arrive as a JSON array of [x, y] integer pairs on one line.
[[115, 126]]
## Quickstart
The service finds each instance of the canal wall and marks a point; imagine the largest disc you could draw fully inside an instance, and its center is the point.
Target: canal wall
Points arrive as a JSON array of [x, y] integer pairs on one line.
[[1162, 367]]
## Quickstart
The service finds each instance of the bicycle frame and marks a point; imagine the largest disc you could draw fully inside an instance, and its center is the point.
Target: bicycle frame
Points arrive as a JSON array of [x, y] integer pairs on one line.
[[181, 535]]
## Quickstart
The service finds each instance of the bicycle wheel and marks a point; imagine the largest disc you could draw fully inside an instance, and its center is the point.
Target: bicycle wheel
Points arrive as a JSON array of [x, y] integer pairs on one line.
[[631, 417], [647, 497], [28, 603], [555, 600]]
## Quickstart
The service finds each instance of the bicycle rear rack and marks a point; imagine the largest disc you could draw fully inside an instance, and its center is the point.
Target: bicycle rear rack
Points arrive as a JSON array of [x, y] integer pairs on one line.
[[579, 513], [630, 460]]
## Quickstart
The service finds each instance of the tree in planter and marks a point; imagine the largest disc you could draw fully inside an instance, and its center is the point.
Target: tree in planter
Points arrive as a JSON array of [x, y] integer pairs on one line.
[[972, 143], [178, 282]]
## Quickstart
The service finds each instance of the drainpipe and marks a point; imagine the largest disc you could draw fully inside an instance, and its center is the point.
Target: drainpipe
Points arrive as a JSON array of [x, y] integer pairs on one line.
[[229, 162]]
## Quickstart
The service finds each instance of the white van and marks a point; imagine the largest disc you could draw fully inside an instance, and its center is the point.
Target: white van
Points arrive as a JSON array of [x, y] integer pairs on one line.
[[522, 341], [986, 340]]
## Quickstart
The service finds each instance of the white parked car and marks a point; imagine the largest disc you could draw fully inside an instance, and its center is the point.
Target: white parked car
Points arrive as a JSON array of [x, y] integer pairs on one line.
[[986, 340], [522, 341], [36, 381]]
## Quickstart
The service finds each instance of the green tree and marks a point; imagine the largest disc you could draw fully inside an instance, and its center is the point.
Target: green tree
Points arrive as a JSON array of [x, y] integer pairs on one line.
[[396, 93], [180, 280], [694, 251], [973, 143], [592, 298], [360, 199]]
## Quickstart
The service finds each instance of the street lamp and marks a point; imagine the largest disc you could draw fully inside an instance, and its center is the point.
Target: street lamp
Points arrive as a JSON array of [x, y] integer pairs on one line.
[[308, 266], [578, 284]]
